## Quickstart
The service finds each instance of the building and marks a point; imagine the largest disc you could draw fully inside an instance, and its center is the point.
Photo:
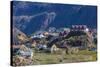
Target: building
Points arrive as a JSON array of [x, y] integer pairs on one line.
[[79, 28], [51, 29]]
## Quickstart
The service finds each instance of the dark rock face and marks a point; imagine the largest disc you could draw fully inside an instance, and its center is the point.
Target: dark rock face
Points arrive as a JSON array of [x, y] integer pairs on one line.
[[15, 33]]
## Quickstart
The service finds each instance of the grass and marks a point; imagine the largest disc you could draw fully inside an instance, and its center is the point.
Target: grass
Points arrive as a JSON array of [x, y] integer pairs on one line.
[[55, 58], [48, 58]]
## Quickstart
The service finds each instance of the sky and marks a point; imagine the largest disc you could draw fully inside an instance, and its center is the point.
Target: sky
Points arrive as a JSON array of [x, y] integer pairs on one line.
[[37, 15]]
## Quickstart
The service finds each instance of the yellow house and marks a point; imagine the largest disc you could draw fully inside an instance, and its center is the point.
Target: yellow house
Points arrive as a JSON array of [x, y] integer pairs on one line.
[[33, 43]]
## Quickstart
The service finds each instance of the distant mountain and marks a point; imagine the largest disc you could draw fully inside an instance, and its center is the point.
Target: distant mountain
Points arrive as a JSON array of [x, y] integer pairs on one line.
[[32, 16], [30, 24]]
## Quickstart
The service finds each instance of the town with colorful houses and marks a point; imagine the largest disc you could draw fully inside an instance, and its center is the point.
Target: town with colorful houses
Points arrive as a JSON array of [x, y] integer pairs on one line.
[[60, 43]]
